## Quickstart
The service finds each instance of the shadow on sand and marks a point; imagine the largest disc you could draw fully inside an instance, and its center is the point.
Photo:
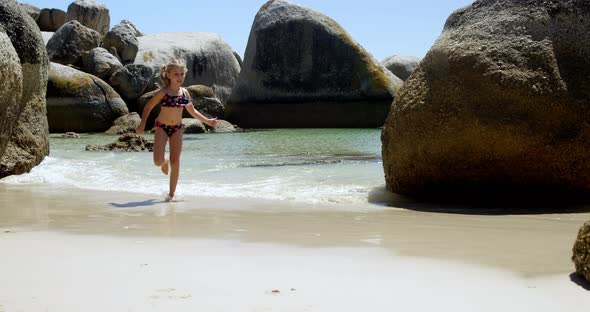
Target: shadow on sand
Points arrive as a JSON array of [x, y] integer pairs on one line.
[[485, 204], [145, 203], [579, 280]]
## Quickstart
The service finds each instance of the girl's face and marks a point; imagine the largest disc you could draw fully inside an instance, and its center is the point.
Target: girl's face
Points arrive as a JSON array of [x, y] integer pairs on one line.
[[176, 76]]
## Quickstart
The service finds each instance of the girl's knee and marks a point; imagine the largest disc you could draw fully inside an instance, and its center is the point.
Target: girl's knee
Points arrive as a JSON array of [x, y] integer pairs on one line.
[[174, 161], [158, 162]]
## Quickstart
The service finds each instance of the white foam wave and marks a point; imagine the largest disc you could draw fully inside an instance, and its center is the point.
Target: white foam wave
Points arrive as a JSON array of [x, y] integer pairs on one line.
[[130, 173]]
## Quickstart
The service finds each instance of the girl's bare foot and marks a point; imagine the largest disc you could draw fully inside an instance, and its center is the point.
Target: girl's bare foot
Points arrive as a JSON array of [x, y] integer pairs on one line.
[[170, 198], [165, 166]]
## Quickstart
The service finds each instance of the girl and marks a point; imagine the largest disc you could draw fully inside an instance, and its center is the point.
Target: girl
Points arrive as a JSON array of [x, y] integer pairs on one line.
[[172, 98]]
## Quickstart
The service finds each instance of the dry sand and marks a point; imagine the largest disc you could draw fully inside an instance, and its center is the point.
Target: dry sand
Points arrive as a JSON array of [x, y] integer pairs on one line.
[[76, 250]]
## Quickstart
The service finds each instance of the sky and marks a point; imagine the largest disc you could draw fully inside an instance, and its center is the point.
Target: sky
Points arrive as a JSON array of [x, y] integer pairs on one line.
[[382, 27]]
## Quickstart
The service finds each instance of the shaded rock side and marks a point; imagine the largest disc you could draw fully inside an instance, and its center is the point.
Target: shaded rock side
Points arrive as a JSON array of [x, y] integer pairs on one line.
[[581, 251], [500, 103], [128, 142], [91, 14], [209, 59], [28, 143], [302, 69], [80, 102]]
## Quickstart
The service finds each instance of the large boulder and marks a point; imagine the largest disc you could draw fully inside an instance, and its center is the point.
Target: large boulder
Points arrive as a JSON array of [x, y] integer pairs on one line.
[[209, 59], [28, 143], [91, 14], [581, 251], [69, 42], [500, 104], [80, 102], [401, 66], [302, 69], [100, 63], [122, 40], [11, 89], [51, 19]]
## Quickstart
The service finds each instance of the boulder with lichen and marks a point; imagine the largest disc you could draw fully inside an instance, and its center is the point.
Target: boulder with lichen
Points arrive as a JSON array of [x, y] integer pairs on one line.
[[80, 102]]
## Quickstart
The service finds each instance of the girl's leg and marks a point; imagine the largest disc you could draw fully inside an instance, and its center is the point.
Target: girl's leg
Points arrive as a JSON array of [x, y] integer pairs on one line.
[[175, 150], [160, 139]]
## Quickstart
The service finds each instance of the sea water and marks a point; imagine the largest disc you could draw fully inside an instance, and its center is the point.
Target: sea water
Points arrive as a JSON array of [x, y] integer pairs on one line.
[[303, 165]]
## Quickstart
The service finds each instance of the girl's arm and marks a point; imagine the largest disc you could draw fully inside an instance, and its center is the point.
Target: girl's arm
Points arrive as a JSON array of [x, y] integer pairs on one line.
[[190, 108], [148, 109]]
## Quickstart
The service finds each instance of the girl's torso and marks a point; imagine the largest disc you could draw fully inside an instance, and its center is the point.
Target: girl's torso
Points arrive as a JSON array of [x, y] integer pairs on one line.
[[171, 107]]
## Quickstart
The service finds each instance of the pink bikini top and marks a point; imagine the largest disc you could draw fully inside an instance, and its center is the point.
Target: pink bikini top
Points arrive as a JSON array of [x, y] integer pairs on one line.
[[175, 100]]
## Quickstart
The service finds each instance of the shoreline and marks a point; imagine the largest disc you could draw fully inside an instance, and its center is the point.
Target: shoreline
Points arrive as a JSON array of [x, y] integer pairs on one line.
[[80, 250], [527, 245]]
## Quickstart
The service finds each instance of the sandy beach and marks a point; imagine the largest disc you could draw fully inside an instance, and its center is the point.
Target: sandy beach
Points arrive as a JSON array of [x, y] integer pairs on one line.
[[78, 250]]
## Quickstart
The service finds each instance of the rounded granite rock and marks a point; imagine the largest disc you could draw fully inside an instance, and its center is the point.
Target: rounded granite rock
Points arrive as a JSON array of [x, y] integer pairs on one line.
[[209, 59], [302, 69], [91, 14], [68, 43], [401, 66], [499, 105], [11, 89], [28, 144], [80, 102]]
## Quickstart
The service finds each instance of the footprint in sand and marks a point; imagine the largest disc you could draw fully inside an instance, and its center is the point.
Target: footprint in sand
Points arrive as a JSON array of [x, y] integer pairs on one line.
[[169, 293]]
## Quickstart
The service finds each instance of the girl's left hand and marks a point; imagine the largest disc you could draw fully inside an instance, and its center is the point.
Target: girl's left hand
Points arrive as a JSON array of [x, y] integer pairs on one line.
[[212, 122]]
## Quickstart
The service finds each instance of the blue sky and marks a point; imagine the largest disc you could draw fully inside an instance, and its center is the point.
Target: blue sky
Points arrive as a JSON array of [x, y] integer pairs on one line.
[[382, 27]]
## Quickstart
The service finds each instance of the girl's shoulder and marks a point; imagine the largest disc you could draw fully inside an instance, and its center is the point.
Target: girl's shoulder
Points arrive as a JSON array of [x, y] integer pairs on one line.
[[185, 92], [161, 93]]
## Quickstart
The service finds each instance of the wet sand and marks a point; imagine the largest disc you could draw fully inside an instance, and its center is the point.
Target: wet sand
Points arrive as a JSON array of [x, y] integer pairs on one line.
[[76, 250]]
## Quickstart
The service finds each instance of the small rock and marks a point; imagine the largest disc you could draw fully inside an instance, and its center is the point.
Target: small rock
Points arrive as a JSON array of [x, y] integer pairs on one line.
[[128, 142], [581, 251], [70, 135]]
